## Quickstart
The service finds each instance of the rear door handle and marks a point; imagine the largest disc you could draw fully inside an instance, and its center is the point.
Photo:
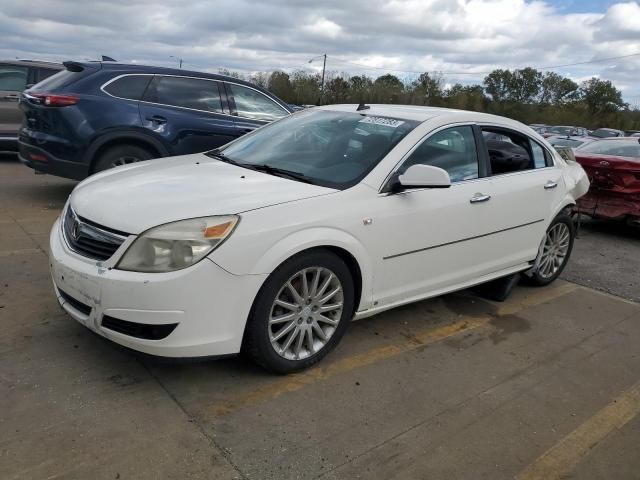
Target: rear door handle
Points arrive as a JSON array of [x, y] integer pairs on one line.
[[550, 184], [11, 96], [479, 198], [157, 119]]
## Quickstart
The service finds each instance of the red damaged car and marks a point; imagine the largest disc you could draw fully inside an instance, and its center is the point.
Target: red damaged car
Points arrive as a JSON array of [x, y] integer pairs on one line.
[[613, 167]]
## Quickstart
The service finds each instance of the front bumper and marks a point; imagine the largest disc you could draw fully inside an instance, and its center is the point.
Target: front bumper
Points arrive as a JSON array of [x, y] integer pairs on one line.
[[209, 305]]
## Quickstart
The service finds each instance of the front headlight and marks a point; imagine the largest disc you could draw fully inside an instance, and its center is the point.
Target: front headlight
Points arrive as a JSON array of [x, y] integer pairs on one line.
[[177, 245]]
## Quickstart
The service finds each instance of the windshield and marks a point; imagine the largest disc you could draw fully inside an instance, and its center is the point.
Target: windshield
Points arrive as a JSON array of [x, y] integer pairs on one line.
[[332, 149], [561, 130], [618, 148], [604, 133]]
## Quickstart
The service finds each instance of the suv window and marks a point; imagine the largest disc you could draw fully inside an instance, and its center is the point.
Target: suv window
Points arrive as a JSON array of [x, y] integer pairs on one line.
[[453, 150], [253, 104], [513, 152], [42, 73], [13, 78], [185, 92], [131, 86]]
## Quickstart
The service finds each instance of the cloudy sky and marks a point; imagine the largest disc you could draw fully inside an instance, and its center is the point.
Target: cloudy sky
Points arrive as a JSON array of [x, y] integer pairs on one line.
[[462, 38]]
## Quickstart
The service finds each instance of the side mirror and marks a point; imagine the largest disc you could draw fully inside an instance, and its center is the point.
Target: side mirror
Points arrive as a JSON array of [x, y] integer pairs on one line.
[[424, 176]]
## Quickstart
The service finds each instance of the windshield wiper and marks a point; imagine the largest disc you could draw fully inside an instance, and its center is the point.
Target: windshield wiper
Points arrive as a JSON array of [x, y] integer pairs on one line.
[[223, 158], [280, 172]]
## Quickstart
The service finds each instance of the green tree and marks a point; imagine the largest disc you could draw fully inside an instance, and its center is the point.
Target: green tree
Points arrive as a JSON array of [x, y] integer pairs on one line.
[[360, 88], [427, 90], [601, 96], [337, 90], [280, 85], [557, 90], [498, 85], [388, 89], [524, 85]]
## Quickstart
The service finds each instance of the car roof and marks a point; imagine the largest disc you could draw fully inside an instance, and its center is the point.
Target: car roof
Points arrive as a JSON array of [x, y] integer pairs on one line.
[[420, 113], [33, 63]]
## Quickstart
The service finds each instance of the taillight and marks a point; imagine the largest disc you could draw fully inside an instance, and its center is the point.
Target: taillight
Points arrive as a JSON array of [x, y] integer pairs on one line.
[[53, 100]]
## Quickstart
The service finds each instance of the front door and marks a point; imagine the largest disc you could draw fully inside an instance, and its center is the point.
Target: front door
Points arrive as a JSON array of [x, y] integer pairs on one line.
[[430, 239]]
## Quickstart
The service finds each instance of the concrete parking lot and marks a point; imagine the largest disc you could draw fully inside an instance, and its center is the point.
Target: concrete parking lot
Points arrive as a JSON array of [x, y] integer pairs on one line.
[[545, 385]]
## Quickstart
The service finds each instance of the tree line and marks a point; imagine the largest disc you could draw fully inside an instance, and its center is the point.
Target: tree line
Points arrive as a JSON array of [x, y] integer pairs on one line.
[[527, 95]]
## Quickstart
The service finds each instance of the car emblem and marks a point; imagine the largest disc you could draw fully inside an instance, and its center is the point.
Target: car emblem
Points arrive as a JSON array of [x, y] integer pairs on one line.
[[75, 229], [604, 163]]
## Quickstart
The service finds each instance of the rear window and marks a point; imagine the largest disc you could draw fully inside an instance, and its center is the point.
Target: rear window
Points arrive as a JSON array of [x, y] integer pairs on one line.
[[131, 87], [618, 148], [59, 80]]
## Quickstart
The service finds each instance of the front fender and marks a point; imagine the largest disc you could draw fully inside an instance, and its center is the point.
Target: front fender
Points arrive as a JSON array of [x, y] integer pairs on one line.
[[253, 263]]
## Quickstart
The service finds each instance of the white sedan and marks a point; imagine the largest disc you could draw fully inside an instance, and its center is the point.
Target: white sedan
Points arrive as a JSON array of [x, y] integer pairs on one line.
[[274, 242]]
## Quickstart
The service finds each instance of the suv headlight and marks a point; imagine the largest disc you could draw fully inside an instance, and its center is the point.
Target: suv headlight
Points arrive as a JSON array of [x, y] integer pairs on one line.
[[177, 245]]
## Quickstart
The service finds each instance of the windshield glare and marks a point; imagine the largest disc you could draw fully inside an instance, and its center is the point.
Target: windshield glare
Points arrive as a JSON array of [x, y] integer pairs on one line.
[[618, 148], [332, 149], [561, 130]]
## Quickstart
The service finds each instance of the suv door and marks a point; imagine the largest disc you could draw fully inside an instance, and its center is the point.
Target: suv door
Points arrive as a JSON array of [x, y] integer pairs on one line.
[[187, 113], [13, 80], [252, 107]]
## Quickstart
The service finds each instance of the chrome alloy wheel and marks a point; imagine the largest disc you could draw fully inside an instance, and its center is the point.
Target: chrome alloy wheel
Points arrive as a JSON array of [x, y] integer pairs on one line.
[[305, 313], [554, 250]]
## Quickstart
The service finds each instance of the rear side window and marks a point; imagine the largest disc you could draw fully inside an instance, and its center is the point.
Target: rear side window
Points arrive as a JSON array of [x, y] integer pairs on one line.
[[13, 78], [131, 87], [510, 152], [185, 92], [61, 79], [253, 104], [453, 150]]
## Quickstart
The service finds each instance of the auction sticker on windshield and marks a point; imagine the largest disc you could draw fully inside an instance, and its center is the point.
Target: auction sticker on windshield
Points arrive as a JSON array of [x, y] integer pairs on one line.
[[387, 122]]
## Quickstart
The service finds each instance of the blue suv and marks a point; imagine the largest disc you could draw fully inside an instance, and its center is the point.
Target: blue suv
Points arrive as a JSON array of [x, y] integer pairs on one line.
[[97, 115]]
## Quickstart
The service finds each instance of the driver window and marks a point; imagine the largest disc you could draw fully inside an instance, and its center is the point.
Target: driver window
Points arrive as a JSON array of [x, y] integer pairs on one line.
[[453, 150]]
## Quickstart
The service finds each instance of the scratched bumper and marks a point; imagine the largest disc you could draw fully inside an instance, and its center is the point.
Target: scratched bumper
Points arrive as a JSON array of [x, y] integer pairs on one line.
[[209, 304]]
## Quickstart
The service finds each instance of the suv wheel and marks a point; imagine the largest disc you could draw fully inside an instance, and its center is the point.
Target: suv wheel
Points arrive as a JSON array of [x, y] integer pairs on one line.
[[121, 155]]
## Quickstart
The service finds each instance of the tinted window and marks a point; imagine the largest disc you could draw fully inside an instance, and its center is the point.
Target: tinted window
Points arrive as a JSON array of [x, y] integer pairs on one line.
[[13, 78], [334, 149], [60, 79], [131, 86], [253, 104], [185, 92], [513, 155], [453, 150], [42, 73]]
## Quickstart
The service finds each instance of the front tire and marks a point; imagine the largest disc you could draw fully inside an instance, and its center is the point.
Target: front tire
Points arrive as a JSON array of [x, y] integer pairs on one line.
[[301, 312], [554, 252]]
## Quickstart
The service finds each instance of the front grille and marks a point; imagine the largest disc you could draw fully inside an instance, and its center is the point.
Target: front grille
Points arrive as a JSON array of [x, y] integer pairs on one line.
[[77, 304], [138, 330], [90, 239]]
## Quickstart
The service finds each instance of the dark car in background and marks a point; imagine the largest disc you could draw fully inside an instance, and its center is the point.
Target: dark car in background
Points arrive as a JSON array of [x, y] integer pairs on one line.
[[16, 76], [566, 130], [613, 167], [607, 133], [96, 115]]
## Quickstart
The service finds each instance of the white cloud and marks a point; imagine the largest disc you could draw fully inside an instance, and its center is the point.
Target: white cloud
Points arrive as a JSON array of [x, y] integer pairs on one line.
[[469, 36]]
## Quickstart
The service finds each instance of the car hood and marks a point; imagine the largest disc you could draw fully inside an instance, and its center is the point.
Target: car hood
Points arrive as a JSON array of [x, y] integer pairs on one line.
[[135, 198]]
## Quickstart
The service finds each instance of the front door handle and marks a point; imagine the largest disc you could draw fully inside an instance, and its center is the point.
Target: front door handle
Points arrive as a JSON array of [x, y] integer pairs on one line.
[[479, 198], [550, 184], [157, 119]]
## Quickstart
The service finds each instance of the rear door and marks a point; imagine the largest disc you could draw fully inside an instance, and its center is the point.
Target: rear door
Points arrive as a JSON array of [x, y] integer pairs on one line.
[[526, 187], [13, 80], [252, 108], [188, 113]]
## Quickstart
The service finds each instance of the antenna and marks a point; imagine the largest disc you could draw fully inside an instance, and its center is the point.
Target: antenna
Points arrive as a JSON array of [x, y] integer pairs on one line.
[[362, 106]]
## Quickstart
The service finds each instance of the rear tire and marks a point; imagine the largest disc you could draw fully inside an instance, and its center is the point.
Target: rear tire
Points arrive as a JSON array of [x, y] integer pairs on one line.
[[122, 154], [554, 252], [295, 320]]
